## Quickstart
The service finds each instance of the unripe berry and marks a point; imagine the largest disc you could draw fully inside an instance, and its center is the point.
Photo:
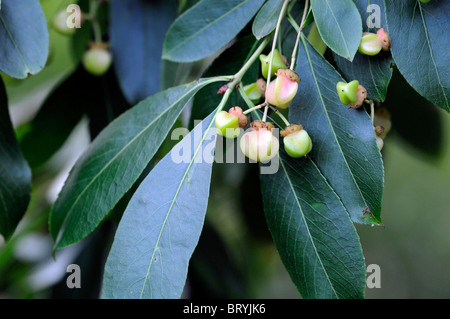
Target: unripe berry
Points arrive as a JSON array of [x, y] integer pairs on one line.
[[277, 63], [424, 1], [283, 89], [348, 92], [227, 124], [370, 44], [242, 118], [253, 92], [97, 59], [384, 38], [297, 142], [59, 23], [259, 144]]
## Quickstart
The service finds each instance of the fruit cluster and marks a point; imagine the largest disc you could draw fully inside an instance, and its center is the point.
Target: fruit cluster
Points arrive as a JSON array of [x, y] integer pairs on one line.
[[259, 143], [97, 58]]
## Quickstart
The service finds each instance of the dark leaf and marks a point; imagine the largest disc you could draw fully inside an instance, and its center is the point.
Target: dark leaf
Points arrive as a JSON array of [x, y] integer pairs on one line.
[[15, 175], [161, 226], [419, 46]]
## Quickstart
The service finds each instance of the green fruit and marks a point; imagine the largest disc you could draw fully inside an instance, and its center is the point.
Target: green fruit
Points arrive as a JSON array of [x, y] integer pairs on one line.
[[348, 92], [59, 23], [370, 44], [277, 63], [227, 125], [253, 92], [297, 144], [97, 61], [424, 1]]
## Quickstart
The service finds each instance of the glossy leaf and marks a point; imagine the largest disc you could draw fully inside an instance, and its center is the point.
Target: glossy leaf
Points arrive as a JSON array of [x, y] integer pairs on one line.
[[344, 145], [267, 18], [207, 27], [162, 224], [372, 72], [15, 175], [418, 121], [137, 58], [114, 161], [419, 46], [312, 230], [24, 40], [339, 24]]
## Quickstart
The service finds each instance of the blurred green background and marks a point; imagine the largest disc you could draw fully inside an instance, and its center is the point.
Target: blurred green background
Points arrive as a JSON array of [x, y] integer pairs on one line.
[[412, 248]]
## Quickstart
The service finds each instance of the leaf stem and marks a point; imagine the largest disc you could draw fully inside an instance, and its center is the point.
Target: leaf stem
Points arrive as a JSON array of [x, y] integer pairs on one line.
[[239, 75], [277, 30], [294, 51], [276, 111], [93, 9], [372, 109]]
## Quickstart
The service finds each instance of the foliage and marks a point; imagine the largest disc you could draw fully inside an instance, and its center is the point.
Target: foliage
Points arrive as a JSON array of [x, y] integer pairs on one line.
[[170, 60]]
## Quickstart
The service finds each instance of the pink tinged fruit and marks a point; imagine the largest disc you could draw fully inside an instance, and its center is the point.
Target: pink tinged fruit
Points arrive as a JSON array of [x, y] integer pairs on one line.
[[283, 89]]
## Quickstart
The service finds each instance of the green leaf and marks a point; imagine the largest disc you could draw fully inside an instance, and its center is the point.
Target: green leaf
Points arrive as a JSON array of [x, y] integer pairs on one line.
[[24, 38], [207, 27], [419, 46], [339, 24], [162, 224], [15, 175], [267, 18], [137, 58], [344, 143], [417, 121], [312, 231], [114, 161], [372, 72]]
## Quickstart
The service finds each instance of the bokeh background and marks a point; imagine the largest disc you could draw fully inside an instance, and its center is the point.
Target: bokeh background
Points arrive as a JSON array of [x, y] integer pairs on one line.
[[235, 256]]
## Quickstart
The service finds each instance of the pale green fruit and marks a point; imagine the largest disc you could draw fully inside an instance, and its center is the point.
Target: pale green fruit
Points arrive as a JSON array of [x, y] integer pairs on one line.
[[370, 44], [253, 92], [277, 63], [348, 92], [227, 125], [97, 61], [59, 23], [297, 144]]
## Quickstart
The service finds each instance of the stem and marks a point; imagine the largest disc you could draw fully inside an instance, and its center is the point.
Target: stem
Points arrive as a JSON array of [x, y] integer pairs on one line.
[[372, 109], [286, 122], [292, 22], [277, 29], [239, 75], [254, 108], [93, 8], [294, 51]]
